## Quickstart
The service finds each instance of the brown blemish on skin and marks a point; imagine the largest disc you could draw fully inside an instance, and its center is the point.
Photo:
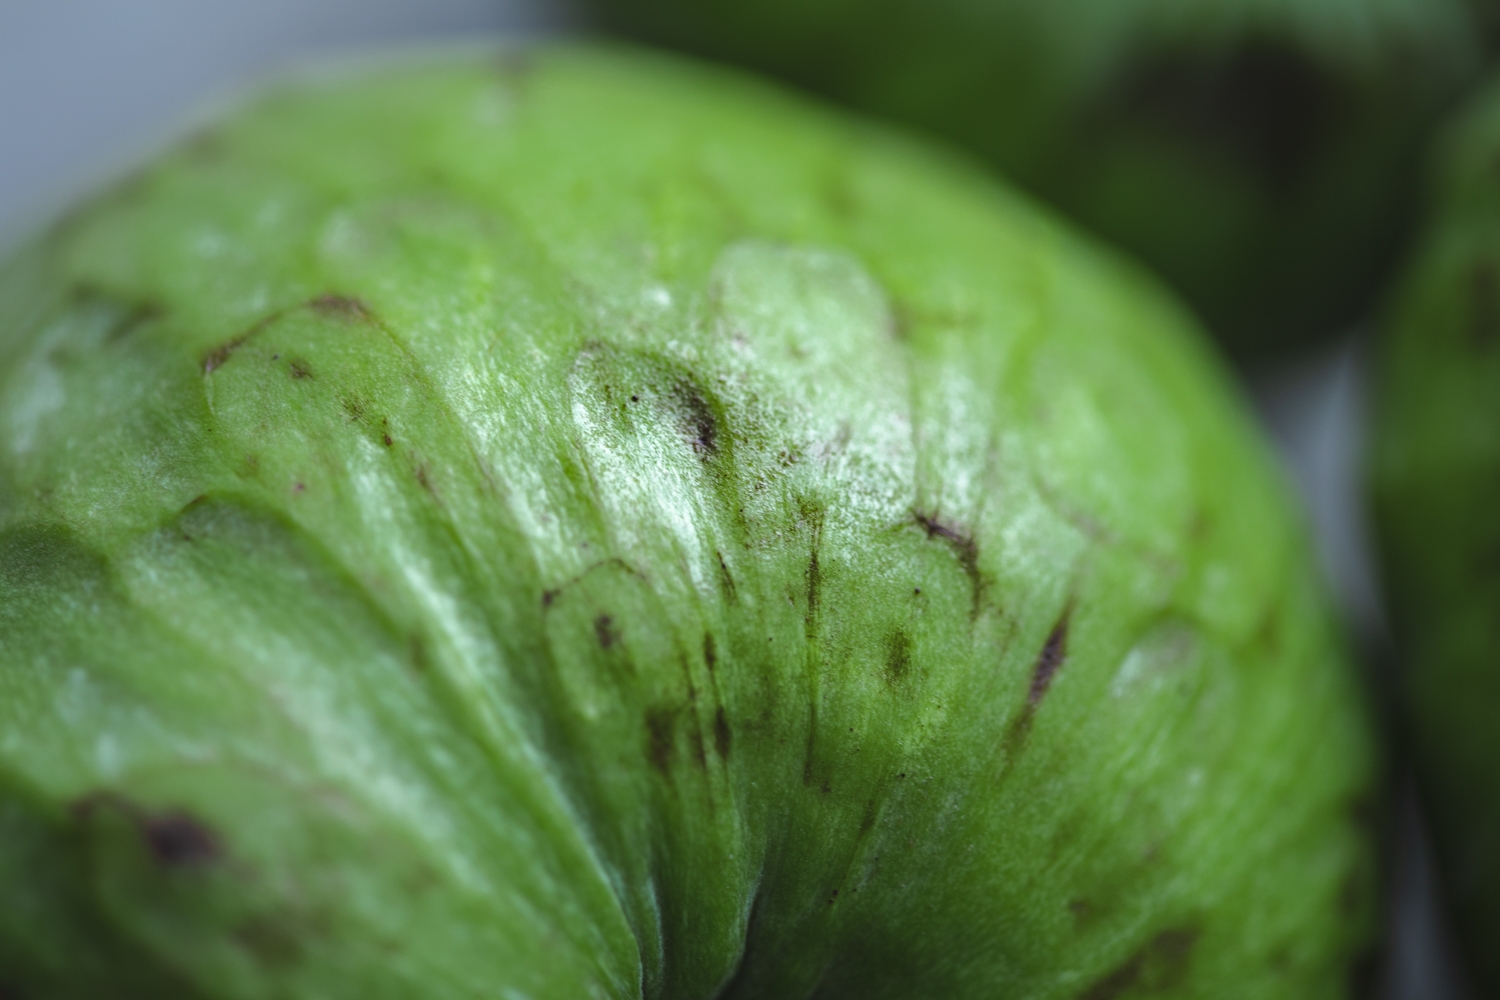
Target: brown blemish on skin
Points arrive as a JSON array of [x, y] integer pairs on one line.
[[1158, 965], [605, 631], [178, 840], [726, 580], [174, 837], [964, 547], [812, 740], [697, 421], [424, 478], [550, 595], [659, 724], [341, 307], [812, 514], [220, 355], [897, 658], [700, 753], [299, 369], [710, 652], [722, 734], [1054, 653]]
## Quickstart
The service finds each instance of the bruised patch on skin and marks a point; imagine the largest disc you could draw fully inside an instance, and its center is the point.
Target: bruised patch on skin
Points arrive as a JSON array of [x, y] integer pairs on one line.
[[1158, 965], [1053, 654], [174, 837], [341, 307], [660, 723], [964, 547], [897, 658]]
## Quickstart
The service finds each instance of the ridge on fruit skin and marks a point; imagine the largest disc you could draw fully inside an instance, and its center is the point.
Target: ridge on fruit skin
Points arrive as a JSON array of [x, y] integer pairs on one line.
[[570, 523]]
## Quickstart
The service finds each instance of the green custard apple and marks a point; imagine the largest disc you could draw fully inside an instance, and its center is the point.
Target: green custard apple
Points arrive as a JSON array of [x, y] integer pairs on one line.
[[1257, 153], [558, 524], [1436, 478]]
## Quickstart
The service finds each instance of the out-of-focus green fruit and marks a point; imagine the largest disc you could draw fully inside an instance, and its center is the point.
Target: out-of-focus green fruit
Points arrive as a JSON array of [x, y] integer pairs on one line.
[[566, 525], [1436, 474], [1257, 153]]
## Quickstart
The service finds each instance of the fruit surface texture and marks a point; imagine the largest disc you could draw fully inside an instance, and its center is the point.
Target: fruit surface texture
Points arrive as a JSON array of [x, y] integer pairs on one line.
[[559, 523], [1436, 479], [1258, 154]]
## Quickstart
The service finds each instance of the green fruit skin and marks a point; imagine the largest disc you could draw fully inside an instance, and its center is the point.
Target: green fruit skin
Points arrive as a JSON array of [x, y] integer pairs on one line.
[[564, 524], [1258, 154], [1436, 487]]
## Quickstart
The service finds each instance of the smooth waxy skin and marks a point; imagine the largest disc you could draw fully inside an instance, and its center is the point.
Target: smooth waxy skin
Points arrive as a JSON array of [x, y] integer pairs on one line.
[[1259, 154], [567, 525], [1436, 478]]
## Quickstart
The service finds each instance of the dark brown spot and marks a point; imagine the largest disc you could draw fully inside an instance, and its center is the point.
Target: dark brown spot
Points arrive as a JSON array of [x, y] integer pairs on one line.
[[216, 358], [174, 837], [812, 514], [1050, 660], [386, 440], [833, 898], [1266, 105], [424, 478], [299, 369], [809, 752], [605, 631], [700, 753], [710, 652], [220, 355], [178, 840], [659, 724], [340, 307], [964, 547], [1159, 965], [354, 407], [897, 657], [722, 735], [726, 580], [696, 420]]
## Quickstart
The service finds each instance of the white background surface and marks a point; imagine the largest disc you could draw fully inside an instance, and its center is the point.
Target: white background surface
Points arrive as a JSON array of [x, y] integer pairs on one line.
[[88, 87]]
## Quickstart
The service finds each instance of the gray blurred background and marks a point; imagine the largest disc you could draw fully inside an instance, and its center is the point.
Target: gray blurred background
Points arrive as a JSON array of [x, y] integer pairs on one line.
[[90, 87]]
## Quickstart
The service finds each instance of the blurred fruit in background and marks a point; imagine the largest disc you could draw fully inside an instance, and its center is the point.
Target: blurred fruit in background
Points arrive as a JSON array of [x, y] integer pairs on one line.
[[1436, 478], [1258, 154]]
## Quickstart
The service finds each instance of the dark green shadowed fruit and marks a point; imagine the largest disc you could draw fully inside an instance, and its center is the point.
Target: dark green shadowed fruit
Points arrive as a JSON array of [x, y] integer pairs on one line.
[[1257, 153], [566, 525], [1436, 477]]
